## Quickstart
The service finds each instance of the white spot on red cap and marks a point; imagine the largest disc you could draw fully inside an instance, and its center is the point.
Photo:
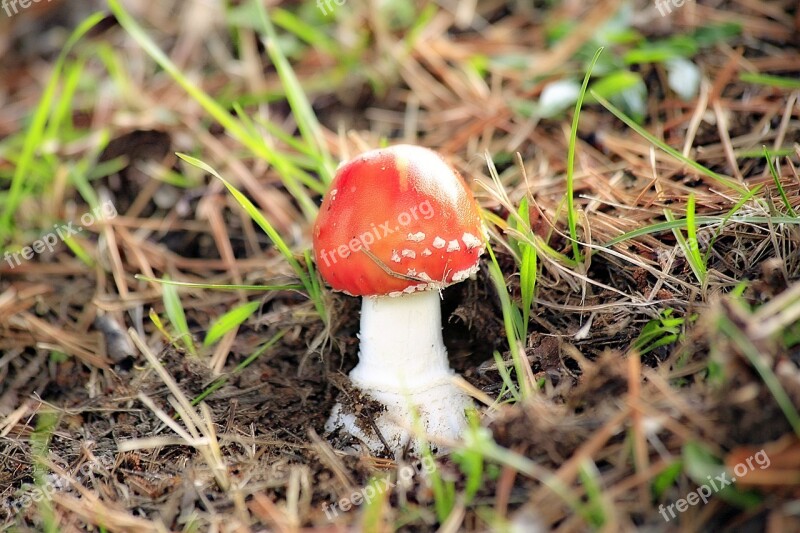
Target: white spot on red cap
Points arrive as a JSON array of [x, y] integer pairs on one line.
[[453, 246], [408, 253], [470, 240], [438, 242], [461, 275], [395, 256], [426, 252], [414, 288], [416, 237]]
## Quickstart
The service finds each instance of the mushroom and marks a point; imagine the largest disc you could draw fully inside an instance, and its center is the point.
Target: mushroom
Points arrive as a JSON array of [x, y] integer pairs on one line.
[[396, 227]]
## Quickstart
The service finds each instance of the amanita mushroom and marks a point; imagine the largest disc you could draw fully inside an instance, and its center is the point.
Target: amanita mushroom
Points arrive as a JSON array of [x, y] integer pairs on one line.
[[397, 226]]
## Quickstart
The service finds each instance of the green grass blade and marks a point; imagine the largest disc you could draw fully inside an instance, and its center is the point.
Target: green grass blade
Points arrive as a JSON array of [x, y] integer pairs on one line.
[[722, 180], [314, 288], [690, 245], [311, 34], [527, 280], [509, 322], [732, 331], [35, 136], [265, 225], [444, 490], [776, 178], [521, 240], [535, 240], [658, 332], [307, 122], [266, 346], [725, 219], [254, 213], [758, 154], [681, 223], [156, 320], [372, 515], [219, 382], [701, 465], [78, 173], [691, 228], [505, 378], [573, 139], [773, 81], [40, 442], [288, 171], [593, 511], [62, 112], [220, 287], [684, 245], [480, 440], [471, 462], [79, 252], [664, 480], [174, 310], [229, 321]]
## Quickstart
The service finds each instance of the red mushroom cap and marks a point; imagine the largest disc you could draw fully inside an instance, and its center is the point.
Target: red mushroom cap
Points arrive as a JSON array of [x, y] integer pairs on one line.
[[396, 220]]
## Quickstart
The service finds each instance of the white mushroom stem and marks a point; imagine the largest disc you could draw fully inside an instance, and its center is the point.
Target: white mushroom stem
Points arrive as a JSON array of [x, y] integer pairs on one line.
[[403, 365]]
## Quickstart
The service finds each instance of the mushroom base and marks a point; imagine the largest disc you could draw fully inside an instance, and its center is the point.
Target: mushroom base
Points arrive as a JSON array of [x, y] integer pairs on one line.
[[435, 415], [403, 365]]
